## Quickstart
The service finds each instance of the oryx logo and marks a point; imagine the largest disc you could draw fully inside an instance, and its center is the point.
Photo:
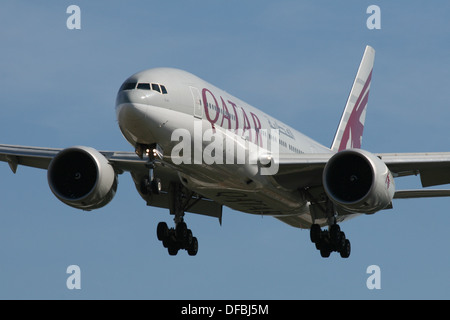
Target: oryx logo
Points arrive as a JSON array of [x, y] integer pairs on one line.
[[388, 180]]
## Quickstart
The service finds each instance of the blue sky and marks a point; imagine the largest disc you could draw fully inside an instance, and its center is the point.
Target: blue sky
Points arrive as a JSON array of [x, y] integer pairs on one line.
[[294, 60]]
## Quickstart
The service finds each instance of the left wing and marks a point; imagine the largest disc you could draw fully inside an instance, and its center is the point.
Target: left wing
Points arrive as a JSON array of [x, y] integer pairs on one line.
[[38, 157], [27, 156]]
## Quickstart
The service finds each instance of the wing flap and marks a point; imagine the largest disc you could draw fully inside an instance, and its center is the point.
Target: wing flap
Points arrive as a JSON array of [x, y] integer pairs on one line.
[[298, 170]]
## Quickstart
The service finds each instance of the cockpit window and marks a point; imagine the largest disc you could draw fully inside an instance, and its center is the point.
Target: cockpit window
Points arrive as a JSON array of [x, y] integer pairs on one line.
[[155, 87], [128, 86], [144, 86]]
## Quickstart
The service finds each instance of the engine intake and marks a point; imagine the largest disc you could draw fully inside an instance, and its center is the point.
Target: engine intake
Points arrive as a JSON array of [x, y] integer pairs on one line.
[[358, 181], [82, 178]]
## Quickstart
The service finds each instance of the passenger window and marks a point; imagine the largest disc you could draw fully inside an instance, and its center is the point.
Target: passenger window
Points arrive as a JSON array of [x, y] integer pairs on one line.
[[155, 87], [163, 89], [144, 86], [128, 86]]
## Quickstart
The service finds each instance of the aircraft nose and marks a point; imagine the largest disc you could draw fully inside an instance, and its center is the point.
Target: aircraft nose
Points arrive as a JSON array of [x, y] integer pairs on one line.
[[132, 113], [131, 96], [130, 104], [134, 122]]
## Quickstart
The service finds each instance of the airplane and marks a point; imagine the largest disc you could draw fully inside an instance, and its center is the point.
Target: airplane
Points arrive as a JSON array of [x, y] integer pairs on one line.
[[197, 148]]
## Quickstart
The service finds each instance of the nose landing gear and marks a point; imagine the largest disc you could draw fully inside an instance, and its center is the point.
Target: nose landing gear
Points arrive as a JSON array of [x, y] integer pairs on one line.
[[150, 184]]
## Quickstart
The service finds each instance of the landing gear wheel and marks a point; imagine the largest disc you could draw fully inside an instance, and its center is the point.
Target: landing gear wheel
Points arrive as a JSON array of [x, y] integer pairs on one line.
[[341, 243], [346, 249], [145, 186], [173, 250], [155, 186], [335, 232], [148, 186], [327, 241], [181, 231], [315, 233], [193, 248], [177, 238], [189, 238], [162, 231], [325, 253]]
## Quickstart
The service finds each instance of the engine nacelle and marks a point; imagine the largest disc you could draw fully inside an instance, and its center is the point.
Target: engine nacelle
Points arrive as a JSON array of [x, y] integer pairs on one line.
[[358, 181], [82, 178]]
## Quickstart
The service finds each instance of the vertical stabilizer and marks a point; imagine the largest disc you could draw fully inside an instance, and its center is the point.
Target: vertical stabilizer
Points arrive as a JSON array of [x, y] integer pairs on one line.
[[350, 129]]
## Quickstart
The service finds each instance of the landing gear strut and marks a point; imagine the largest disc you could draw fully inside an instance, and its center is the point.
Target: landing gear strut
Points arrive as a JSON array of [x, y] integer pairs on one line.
[[150, 184], [330, 240]]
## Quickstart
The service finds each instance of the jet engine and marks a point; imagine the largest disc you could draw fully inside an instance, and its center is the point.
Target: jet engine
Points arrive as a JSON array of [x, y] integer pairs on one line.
[[82, 178], [358, 181]]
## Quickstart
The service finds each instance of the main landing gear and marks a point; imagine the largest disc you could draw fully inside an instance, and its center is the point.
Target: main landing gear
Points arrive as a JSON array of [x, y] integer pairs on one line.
[[330, 240], [177, 238]]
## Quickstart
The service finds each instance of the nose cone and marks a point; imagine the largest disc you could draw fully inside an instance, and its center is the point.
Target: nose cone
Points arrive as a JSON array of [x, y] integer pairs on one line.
[[129, 114], [132, 115], [130, 96]]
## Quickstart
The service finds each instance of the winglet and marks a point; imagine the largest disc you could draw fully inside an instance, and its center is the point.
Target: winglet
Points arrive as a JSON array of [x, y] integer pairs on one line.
[[350, 129]]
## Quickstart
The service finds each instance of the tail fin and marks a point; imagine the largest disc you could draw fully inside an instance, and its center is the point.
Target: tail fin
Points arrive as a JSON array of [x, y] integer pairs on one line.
[[350, 129]]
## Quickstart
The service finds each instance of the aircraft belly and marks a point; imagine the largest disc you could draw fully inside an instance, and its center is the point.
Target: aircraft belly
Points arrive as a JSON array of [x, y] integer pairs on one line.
[[223, 186]]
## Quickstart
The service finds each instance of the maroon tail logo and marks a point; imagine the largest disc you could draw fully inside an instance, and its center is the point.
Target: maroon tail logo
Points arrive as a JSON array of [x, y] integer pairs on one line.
[[354, 128]]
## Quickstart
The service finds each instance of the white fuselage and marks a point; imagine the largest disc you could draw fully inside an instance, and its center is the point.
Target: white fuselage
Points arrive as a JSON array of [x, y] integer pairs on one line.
[[220, 136]]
